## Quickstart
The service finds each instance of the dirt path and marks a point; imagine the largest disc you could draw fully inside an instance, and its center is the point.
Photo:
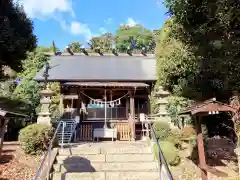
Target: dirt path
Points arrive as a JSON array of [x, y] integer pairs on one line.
[[187, 170], [15, 165]]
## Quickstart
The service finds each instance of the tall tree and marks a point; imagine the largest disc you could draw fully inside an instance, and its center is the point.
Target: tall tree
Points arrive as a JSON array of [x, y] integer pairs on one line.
[[211, 31], [28, 89], [75, 46], [176, 65], [46, 49], [140, 34], [16, 34], [104, 42]]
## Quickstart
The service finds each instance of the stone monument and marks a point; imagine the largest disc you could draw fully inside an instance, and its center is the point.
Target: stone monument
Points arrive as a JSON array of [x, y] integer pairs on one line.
[[44, 117]]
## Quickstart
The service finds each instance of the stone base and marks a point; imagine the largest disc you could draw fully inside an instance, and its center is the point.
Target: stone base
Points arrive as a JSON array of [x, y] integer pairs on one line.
[[145, 138], [44, 120]]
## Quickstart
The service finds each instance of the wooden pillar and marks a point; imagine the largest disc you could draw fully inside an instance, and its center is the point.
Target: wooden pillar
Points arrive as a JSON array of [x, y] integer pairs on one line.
[[3, 121], [148, 101], [148, 105], [78, 115], [132, 112], [61, 106], [127, 107], [200, 144]]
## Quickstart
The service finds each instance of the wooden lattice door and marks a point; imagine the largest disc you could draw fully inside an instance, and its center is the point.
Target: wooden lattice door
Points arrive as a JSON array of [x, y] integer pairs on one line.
[[86, 132], [123, 131]]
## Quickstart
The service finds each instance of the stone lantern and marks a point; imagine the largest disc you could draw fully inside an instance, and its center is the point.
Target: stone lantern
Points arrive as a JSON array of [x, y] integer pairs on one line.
[[162, 102], [44, 117]]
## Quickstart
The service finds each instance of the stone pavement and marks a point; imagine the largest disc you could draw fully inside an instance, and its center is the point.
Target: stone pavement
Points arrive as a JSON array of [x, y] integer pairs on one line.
[[106, 161]]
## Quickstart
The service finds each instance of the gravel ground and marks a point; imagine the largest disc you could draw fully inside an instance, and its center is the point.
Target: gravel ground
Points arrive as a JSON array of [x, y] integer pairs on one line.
[[15, 165]]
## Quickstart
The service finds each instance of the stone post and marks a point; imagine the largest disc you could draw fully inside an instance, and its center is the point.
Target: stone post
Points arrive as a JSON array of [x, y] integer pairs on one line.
[[237, 151], [44, 117]]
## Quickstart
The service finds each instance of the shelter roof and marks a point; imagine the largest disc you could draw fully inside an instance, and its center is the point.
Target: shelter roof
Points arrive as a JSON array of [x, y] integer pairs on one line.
[[78, 68], [209, 106], [13, 107]]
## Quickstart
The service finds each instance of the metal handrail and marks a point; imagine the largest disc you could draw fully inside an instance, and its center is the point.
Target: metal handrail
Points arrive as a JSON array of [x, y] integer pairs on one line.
[[161, 159], [48, 154]]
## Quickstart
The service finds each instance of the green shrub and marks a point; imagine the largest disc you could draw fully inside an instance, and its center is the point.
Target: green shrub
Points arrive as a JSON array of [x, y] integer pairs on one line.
[[188, 132], [35, 138], [162, 129], [175, 137], [169, 151]]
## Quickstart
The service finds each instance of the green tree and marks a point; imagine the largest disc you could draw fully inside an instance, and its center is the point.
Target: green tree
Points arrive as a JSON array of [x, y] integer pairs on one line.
[[28, 89], [45, 49], [141, 35], [75, 46], [176, 65], [210, 30], [16, 34]]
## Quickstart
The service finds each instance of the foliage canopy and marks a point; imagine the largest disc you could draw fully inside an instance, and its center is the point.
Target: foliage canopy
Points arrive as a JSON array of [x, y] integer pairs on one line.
[[16, 34], [209, 30]]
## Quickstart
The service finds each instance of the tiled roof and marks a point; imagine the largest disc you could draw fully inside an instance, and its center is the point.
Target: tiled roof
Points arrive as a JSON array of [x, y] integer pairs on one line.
[[101, 68]]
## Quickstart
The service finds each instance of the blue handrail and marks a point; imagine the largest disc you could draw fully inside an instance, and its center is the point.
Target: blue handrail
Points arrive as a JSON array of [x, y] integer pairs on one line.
[[48, 154], [161, 159]]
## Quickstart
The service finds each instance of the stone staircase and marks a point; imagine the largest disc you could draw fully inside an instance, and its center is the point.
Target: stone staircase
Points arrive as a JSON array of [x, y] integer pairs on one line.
[[106, 161]]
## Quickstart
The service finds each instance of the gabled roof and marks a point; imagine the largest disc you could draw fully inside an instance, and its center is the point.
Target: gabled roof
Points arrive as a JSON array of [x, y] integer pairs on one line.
[[210, 105], [13, 107], [100, 68]]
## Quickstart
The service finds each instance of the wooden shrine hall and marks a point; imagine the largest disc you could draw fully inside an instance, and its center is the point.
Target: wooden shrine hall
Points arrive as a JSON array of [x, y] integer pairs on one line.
[[104, 92]]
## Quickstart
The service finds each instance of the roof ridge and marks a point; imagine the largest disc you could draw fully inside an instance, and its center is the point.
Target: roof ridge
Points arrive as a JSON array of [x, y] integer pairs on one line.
[[105, 54]]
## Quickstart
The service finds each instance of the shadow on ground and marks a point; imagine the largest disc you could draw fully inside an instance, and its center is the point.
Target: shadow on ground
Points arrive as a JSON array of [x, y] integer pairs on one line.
[[5, 158], [76, 164], [218, 152]]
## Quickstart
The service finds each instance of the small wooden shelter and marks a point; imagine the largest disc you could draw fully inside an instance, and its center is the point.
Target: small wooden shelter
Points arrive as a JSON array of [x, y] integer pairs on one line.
[[209, 107], [8, 109]]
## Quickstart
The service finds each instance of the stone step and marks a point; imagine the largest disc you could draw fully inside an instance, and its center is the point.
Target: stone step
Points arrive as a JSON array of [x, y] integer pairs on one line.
[[127, 150], [106, 158], [95, 150], [130, 157], [79, 151], [107, 176], [107, 166], [76, 159]]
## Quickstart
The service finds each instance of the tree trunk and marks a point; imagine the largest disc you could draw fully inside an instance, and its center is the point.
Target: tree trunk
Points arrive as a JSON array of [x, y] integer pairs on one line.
[[2, 132]]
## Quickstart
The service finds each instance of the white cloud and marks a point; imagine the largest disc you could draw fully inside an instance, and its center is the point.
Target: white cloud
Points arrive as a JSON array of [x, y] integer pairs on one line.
[[108, 21], [131, 22], [54, 9], [77, 28], [40, 9]]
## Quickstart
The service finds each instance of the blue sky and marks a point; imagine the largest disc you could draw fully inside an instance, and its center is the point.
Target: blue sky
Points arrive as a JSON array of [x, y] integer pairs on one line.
[[66, 21]]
